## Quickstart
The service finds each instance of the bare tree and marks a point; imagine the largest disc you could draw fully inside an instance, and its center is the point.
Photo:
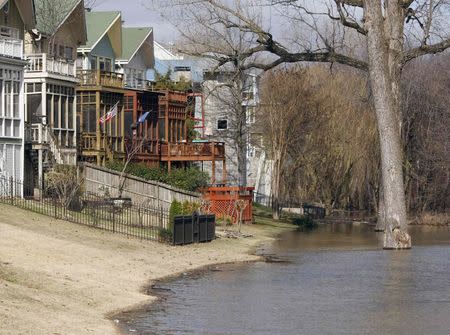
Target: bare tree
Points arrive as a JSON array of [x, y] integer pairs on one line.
[[65, 182], [381, 25], [283, 119], [135, 149]]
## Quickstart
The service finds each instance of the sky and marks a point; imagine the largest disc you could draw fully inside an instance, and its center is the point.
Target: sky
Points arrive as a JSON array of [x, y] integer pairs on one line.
[[135, 13]]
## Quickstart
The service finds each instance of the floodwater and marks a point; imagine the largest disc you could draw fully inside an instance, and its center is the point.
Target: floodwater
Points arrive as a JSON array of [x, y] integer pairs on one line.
[[336, 280]]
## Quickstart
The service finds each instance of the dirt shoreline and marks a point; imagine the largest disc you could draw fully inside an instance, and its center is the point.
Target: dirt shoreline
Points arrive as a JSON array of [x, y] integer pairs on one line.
[[61, 278]]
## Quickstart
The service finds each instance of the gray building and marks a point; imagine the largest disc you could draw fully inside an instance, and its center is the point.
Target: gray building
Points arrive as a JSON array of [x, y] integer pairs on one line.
[[223, 109]]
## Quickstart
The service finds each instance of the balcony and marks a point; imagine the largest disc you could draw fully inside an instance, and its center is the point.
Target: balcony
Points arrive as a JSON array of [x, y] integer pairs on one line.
[[201, 151], [100, 78], [36, 133], [11, 48], [41, 63]]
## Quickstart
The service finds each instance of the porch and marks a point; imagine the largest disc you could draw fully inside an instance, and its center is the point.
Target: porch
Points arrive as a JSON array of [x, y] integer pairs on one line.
[[43, 65], [11, 48], [97, 78]]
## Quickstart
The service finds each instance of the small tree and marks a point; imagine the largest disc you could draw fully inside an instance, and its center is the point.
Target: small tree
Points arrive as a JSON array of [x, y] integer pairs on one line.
[[240, 205], [122, 178], [64, 182]]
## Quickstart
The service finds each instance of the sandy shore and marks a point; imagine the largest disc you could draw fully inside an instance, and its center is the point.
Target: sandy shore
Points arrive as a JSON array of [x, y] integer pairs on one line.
[[61, 278]]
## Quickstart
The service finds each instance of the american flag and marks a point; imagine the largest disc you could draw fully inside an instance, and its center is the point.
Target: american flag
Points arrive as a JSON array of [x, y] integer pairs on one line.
[[108, 116]]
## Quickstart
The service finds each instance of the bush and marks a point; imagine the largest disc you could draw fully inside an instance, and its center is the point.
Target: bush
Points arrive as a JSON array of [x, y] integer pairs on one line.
[[304, 222], [176, 208], [165, 235], [190, 179]]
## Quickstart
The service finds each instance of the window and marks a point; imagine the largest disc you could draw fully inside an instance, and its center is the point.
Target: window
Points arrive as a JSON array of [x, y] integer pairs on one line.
[[16, 89], [93, 63], [89, 118], [70, 113], [8, 32], [222, 124], [108, 65], [56, 111], [68, 53], [63, 112], [8, 112], [34, 107]]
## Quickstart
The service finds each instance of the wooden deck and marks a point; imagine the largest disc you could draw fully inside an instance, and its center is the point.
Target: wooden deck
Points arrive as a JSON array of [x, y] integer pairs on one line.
[[95, 79]]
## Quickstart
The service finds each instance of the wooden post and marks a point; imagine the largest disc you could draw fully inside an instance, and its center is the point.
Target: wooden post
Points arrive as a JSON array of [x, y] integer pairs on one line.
[[97, 123], [224, 171], [166, 118]]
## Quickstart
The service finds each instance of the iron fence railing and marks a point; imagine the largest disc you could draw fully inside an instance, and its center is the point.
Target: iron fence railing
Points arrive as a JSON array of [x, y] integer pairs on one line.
[[118, 215]]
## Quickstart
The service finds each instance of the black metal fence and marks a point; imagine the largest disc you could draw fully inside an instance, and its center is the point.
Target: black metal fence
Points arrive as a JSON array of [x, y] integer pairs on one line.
[[112, 214], [193, 229]]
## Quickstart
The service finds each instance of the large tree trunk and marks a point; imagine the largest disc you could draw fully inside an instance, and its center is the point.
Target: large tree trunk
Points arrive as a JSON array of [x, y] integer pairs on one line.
[[381, 217], [384, 93], [276, 185]]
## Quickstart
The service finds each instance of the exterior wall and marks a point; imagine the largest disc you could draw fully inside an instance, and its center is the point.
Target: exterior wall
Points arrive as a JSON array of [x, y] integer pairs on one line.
[[12, 101], [141, 191], [135, 71], [12, 19], [259, 168], [102, 49], [11, 121]]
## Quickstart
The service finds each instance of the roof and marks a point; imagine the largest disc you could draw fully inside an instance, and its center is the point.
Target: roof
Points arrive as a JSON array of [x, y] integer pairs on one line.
[[98, 24], [50, 14], [132, 40], [26, 10]]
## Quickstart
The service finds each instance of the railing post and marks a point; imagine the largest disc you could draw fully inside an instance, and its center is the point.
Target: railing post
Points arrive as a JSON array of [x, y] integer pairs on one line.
[[44, 62], [11, 189], [114, 219], [54, 206]]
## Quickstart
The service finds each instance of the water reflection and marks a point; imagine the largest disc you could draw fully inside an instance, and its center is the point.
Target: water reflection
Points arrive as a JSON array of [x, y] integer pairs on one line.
[[338, 282]]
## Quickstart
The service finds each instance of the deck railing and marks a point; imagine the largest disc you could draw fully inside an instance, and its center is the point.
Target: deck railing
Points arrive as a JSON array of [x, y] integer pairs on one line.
[[36, 133], [192, 150], [44, 63], [11, 48], [88, 141], [100, 78]]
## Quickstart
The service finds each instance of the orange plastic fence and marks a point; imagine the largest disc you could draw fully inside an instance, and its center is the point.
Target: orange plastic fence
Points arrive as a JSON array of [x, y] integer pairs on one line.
[[221, 200]]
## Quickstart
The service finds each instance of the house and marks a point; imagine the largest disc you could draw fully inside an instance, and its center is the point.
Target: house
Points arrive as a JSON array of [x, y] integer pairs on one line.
[[50, 82], [223, 120], [101, 89], [16, 16], [137, 56]]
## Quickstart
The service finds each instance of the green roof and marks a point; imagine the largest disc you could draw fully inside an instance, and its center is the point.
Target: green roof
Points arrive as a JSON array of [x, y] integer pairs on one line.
[[50, 14], [97, 24], [132, 39]]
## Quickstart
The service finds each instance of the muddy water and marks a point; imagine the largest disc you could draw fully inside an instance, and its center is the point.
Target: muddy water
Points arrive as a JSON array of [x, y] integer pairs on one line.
[[334, 280]]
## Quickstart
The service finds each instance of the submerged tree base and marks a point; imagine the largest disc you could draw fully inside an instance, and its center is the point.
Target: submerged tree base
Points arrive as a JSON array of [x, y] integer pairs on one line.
[[379, 228], [396, 239]]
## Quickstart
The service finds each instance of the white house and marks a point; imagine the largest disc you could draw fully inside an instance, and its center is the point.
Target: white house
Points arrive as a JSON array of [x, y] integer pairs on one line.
[[16, 16]]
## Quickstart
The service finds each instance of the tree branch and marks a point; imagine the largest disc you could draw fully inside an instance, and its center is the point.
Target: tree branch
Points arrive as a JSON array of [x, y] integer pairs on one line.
[[426, 50]]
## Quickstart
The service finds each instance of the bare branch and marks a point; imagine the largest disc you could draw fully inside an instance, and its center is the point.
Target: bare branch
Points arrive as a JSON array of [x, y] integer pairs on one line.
[[426, 50]]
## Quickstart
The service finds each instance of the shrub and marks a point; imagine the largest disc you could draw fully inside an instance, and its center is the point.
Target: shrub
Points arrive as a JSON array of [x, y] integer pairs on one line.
[[190, 207], [176, 208], [304, 222], [190, 179], [165, 235]]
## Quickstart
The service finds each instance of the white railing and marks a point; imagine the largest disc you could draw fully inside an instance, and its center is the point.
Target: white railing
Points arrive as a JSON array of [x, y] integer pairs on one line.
[[54, 147], [11, 48], [43, 63], [36, 133]]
